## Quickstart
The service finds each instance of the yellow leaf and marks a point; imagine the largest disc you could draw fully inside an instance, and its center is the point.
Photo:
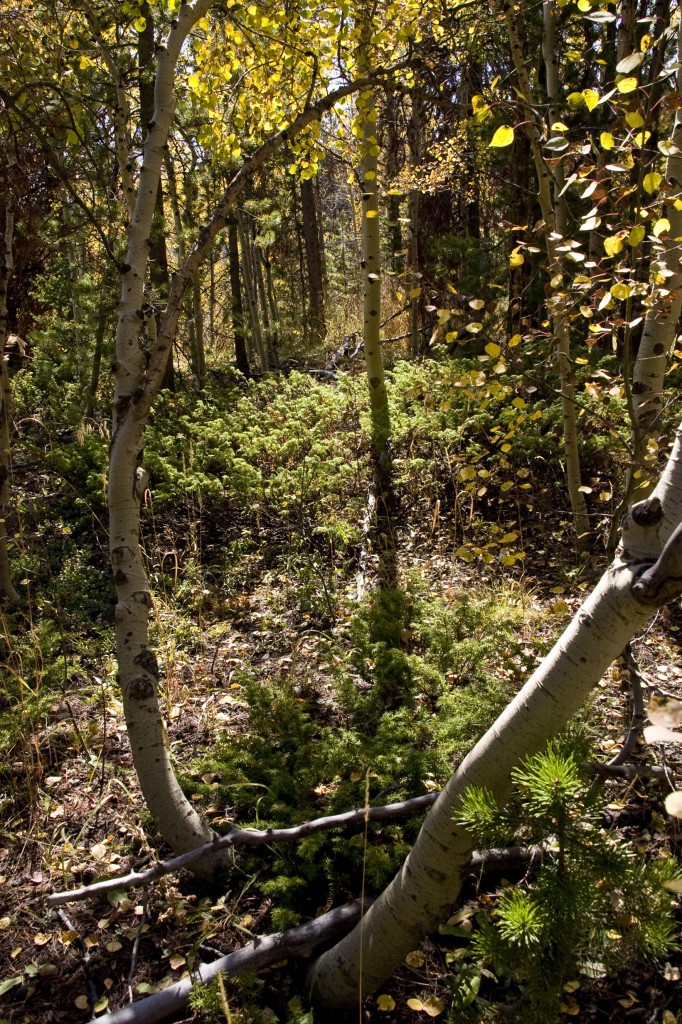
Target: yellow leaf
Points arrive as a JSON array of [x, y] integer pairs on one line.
[[414, 293], [504, 136], [371, 214], [193, 82], [570, 1006], [415, 959], [432, 1006], [628, 84], [72, 138], [516, 259], [514, 341], [636, 235], [42, 938], [385, 1003], [634, 119], [613, 245], [81, 1002], [641, 138], [140, 24], [621, 291], [607, 140], [492, 349], [559, 608], [101, 1004], [645, 43], [661, 225], [651, 181], [591, 97]]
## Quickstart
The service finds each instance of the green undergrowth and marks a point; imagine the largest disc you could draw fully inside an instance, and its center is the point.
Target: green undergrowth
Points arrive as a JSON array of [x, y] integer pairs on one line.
[[594, 908], [399, 703]]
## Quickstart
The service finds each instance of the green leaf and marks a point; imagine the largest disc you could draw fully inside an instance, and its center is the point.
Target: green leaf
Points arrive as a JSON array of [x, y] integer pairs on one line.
[[140, 24], [5, 986], [636, 235], [504, 136]]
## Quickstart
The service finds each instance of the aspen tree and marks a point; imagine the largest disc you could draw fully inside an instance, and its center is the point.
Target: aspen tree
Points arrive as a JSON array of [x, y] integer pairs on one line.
[[645, 575], [554, 228], [7, 591]]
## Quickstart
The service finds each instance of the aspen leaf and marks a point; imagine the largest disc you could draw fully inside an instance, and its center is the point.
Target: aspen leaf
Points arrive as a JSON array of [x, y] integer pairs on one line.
[[140, 24], [81, 1002], [665, 711], [651, 181], [371, 214], [627, 85], [620, 291], [570, 1006], [516, 258], [414, 293], [42, 938], [641, 138], [591, 97], [673, 804], [658, 734], [474, 327], [668, 148], [559, 608], [628, 64], [504, 136], [661, 225], [72, 138], [177, 961], [634, 119], [607, 140], [636, 235], [492, 349], [515, 340], [432, 1006], [101, 1004], [613, 245], [415, 959], [385, 1003], [645, 42], [575, 99], [9, 983]]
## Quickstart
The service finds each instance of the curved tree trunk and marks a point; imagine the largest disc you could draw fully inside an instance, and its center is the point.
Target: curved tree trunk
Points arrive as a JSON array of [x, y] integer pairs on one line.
[[138, 669], [646, 574]]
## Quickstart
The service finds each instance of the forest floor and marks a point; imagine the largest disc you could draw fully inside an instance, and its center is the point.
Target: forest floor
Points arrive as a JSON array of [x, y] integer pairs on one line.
[[77, 815]]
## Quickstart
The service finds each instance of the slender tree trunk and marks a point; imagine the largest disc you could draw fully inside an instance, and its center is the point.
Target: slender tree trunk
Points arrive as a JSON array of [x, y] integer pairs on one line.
[[199, 349], [7, 591], [250, 289], [557, 302], [240, 354], [138, 668], [264, 305], [661, 322], [311, 237], [645, 575], [416, 153], [100, 331]]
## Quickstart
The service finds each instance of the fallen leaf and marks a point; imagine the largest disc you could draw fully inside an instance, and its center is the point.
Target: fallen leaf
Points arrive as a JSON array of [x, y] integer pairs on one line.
[[385, 1003]]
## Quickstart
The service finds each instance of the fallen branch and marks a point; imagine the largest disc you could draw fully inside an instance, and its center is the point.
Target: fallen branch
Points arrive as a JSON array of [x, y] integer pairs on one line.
[[638, 717], [245, 837], [297, 942]]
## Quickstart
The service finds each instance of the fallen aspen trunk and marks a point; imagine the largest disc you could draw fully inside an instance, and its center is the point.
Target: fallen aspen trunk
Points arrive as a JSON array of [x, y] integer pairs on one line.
[[298, 942]]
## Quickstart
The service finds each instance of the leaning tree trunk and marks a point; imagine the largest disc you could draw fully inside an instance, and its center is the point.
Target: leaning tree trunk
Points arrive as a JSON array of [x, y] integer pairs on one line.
[[7, 591], [662, 319], [645, 575], [557, 302]]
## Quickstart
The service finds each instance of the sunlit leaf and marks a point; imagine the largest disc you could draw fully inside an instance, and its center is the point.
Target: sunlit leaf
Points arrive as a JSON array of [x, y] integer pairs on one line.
[[385, 1003], [636, 235], [607, 140], [613, 245], [627, 85], [634, 119], [628, 64], [662, 225], [651, 181], [504, 136], [591, 97], [666, 712]]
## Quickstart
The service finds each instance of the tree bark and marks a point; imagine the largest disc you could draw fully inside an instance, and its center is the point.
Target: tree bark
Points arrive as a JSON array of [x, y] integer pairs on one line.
[[240, 354], [7, 591], [249, 279], [557, 301], [646, 574], [311, 237]]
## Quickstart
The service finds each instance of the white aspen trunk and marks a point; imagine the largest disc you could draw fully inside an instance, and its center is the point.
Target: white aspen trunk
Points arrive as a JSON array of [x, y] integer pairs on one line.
[[138, 670], [662, 318], [646, 573], [7, 591], [557, 303]]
